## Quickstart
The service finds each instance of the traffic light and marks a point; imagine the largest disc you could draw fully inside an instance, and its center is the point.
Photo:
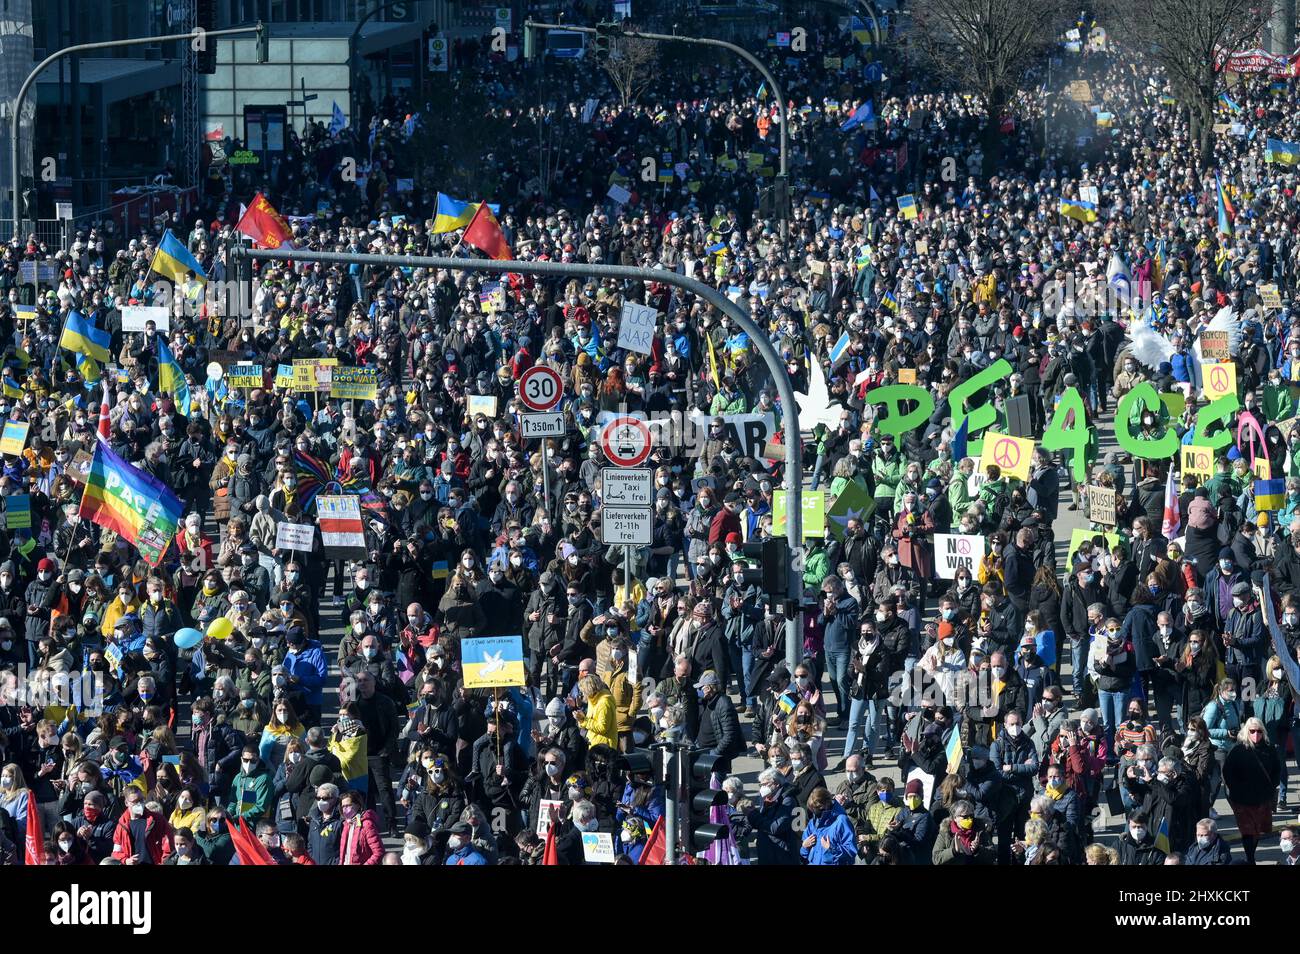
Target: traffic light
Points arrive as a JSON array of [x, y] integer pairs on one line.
[[205, 58], [263, 43], [776, 566], [605, 33], [701, 799]]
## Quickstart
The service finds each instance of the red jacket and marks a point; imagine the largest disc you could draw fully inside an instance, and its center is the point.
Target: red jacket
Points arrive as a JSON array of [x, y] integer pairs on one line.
[[157, 837], [723, 523], [361, 835]]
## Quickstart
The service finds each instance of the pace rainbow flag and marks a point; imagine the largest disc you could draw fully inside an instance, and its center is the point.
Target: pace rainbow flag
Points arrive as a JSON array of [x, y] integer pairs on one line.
[[130, 502]]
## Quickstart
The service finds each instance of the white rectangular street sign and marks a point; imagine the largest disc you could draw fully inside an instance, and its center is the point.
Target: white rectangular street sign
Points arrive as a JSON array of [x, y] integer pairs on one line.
[[627, 486], [550, 424], [626, 526]]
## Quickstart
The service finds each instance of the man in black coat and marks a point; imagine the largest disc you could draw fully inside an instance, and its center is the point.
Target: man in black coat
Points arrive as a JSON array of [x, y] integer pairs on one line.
[[1149, 547], [1137, 846], [719, 733], [708, 644]]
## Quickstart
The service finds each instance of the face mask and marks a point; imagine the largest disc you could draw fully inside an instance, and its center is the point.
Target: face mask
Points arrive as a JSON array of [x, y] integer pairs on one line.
[[1138, 834], [324, 805], [65, 845], [1287, 845], [1014, 730], [1229, 697], [999, 672], [965, 824], [137, 810], [349, 810], [796, 764]]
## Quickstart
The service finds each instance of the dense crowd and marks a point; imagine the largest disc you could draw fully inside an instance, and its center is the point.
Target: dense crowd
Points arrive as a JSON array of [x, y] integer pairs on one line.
[[1176, 688]]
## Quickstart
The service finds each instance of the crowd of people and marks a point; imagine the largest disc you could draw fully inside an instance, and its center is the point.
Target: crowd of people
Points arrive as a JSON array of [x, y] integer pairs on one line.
[[988, 718]]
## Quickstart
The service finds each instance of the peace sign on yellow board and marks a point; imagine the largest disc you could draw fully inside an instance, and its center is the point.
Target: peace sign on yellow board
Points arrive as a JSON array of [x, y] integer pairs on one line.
[[1219, 378]]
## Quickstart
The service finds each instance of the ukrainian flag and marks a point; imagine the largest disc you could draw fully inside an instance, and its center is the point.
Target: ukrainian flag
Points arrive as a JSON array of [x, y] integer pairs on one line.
[[89, 369], [1283, 153], [954, 752], [12, 389], [890, 301], [1078, 210], [1270, 494], [171, 379], [452, 214], [81, 335], [492, 662], [173, 260]]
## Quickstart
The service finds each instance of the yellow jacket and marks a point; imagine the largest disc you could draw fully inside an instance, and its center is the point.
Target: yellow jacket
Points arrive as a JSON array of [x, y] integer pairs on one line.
[[192, 819], [601, 721], [627, 697], [115, 611]]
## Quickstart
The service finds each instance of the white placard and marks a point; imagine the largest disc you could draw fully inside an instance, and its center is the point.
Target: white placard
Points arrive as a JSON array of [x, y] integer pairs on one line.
[[533, 426], [294, 536], [548, 809], [626, 526], [619, 194], [627, 486], [955, 551], [339, 518], [134, 317], [636, 328], [1090, 193], [598, 847]]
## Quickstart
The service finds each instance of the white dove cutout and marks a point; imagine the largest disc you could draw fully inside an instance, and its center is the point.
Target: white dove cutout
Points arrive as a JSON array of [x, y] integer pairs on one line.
[[815, 406], [492, 662]]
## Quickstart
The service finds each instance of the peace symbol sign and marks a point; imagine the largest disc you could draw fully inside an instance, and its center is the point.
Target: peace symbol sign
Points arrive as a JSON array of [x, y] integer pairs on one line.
[[1006, 453], [1218, 379]]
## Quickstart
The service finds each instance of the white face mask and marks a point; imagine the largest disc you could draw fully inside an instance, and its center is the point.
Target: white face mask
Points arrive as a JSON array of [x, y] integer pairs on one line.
[[65, 845], [1013, 731]]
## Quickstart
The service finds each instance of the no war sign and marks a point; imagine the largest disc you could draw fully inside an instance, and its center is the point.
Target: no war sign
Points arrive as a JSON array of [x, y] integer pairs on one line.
[[957, 551]]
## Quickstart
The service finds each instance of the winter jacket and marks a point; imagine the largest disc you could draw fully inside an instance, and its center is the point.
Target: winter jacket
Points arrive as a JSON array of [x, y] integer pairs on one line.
[[776, 843], [834, 842], [157, 837], [359, 841], [601, 720]]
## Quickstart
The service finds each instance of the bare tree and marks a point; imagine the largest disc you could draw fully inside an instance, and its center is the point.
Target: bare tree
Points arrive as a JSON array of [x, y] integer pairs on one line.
[[631, 64], [1186, 37], [986, 47]]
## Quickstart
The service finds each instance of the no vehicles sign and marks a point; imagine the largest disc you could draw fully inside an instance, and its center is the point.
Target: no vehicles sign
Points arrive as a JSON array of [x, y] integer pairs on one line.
[[957, 551]]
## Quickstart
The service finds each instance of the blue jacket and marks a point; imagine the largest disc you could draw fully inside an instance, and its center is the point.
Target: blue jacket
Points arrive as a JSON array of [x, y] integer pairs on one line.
[[467, 855], [162, 620], [833, 825], [841, 630], [1223, 720], [310, 666], [1219, 853]]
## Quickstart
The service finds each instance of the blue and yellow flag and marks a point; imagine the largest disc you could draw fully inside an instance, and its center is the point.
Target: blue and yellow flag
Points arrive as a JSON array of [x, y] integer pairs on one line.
[[12, 389], [1270, 494], [452, 214], [890, 301], [89, 369], [1282, 152], [171, 379], [1078, 210], [173, 260], [493, 662], [81, 335], [1226, 211]]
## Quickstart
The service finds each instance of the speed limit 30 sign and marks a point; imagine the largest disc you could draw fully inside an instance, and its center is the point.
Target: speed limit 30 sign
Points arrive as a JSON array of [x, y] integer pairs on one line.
[[540, 388]]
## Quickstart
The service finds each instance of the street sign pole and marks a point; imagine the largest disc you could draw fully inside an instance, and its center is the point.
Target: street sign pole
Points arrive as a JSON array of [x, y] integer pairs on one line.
[[546, 477], [785, 390]]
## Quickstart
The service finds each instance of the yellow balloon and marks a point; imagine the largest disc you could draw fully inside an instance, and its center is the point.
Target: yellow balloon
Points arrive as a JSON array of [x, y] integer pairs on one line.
[[220, 628]]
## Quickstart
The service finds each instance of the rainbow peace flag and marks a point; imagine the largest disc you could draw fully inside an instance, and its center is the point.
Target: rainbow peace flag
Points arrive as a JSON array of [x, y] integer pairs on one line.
[[136, 505]]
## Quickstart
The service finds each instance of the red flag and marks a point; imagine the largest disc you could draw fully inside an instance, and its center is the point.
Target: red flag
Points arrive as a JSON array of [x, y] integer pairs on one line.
[[485, 234], [35, 848], [105, 427], [654, 850], [550, 856], [247, 847], [264, 225], [1172, 521]]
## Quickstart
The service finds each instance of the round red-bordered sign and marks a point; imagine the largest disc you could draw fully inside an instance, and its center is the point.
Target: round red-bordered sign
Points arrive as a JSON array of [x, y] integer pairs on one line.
[[540, 388], [626, 441]]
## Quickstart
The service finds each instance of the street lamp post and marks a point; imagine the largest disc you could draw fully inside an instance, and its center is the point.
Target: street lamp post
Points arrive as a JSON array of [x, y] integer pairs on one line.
[[17, 105], [789, 406], [744, 54]]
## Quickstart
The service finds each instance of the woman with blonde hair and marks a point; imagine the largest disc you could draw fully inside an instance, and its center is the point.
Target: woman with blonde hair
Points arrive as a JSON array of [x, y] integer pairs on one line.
[[805, 725], [1251, 772], [600, 721], [1098, 854], [280, 729]]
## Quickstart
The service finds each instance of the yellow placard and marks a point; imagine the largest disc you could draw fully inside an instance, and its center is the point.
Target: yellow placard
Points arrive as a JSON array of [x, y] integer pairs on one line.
[[1219, 378], [1197, 460], [1263, 470], [1014, 455], [907, 375]]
